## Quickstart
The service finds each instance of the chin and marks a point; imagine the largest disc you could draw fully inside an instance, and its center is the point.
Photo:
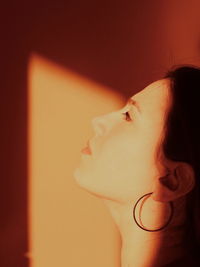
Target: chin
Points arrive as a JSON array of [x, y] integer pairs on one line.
[[77, 175], [80, 178], [85, 183]]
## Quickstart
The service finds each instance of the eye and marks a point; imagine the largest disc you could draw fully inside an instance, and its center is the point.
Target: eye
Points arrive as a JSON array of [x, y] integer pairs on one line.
[[127, 116]]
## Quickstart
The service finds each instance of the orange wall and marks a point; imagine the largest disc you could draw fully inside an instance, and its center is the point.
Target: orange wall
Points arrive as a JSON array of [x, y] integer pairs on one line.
[[121, 46], [68, 226]]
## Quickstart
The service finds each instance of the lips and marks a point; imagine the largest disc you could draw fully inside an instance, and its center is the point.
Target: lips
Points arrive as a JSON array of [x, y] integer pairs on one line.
[[87, 149]]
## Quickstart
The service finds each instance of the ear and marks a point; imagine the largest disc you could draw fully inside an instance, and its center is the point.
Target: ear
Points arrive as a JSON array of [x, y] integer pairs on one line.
[[179, 182]]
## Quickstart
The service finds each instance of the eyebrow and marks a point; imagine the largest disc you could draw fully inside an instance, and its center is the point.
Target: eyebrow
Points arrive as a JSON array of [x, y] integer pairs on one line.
[[134, 103]]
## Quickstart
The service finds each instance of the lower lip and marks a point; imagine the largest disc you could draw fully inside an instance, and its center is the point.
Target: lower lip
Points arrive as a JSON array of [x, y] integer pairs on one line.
[[86, 150]]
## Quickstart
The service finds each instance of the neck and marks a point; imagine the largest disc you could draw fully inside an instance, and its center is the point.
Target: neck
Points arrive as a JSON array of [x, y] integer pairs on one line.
[[141, 248]]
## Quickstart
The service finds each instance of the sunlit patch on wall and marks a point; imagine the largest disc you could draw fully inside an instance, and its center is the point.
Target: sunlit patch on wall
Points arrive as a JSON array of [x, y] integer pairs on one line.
[[68, 226]]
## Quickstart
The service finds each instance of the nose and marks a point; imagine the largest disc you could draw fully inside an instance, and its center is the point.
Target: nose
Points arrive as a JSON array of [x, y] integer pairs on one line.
[[99, 125]]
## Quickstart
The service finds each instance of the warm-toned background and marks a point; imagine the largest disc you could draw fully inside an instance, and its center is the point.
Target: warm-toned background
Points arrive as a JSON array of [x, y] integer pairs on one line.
[[62, 63]]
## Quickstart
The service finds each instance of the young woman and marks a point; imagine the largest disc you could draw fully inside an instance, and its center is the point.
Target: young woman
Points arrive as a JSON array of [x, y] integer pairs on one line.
[[144, 162]]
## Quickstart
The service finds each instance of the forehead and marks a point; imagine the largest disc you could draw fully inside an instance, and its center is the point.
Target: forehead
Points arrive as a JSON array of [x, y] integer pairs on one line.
[[156, 97]]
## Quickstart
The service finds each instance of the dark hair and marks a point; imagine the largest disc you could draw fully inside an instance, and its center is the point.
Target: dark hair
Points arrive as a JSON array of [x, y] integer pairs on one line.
[[182, 138]]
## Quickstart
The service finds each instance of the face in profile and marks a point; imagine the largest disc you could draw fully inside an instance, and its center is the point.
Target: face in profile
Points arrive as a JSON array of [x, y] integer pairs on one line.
[[123, 163]]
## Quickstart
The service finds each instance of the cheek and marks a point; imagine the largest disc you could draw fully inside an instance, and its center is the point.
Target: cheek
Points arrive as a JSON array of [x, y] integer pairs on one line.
[[119, 172], [124, 159], [121, 167], [126, 149]]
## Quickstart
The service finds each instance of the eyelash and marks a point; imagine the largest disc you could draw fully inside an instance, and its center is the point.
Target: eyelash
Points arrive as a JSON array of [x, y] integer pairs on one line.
[[125, 114]]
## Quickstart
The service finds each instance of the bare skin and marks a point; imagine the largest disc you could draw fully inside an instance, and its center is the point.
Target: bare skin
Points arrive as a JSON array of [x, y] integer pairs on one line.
[[125, 165], [142, 248]]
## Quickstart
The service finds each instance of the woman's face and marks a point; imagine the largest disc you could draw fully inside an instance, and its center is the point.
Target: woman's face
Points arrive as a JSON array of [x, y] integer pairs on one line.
[[123, 163]]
